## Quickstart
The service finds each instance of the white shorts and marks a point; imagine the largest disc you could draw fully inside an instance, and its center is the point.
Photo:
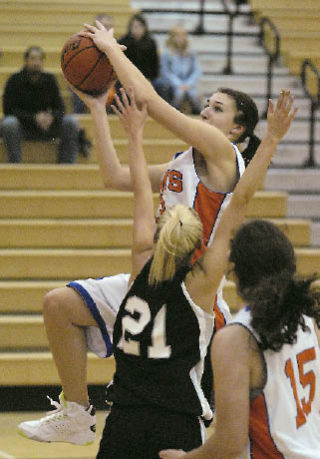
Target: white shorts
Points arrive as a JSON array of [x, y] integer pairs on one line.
[[103, 296]]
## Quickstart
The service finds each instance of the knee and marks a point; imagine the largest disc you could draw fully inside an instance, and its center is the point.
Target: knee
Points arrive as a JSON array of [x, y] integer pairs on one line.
[[70, 124], [53, 303], [10, 124]]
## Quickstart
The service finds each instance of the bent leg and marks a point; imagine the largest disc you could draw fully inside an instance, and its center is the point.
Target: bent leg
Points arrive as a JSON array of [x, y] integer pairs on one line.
[[65, 316], [12, 136], [69, 144]]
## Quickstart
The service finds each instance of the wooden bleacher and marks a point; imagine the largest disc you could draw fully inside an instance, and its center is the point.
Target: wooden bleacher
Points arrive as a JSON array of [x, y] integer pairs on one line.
[[57, 222], [298, 24]]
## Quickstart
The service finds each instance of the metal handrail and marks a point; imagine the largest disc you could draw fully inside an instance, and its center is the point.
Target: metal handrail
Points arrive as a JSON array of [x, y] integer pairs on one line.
[[228, 70], [314, 104], [272, 54], [200, 29]]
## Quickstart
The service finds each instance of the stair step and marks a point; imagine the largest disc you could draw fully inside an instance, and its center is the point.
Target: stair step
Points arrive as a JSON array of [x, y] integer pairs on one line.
[[69, 204], [299, 132], [85, 233], [315, 235], [249, 83], [75, 3], [291, 13], [81, 263], [37, 152], [21, 332], [100, 233], [294, 59], [63, 263], [161, 21], [65, 15], [38, 368], [25, 296], [18, 297], [27, 35], [284, 4], [304, 205], [207, 43], [293, 180], [105, 203], [50, 177], [289, 155]]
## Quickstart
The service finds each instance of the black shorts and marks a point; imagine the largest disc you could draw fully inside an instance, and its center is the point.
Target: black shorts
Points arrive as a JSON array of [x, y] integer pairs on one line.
[[141, 432]]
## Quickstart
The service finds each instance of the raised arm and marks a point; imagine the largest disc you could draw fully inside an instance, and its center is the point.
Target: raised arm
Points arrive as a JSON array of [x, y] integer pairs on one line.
[[203, 283], [133, 121], [114, 174], [210, 141]]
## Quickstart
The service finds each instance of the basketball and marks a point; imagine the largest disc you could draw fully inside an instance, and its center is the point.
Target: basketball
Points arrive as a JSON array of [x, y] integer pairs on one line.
[[85, 66]]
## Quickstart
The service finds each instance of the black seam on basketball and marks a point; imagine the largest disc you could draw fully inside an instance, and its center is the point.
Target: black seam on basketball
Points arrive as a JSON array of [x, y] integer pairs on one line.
[[76, 54], [107, 80], [91, 70]]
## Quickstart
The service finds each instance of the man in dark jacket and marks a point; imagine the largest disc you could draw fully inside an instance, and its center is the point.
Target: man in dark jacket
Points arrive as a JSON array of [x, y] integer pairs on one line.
[[34, 110]]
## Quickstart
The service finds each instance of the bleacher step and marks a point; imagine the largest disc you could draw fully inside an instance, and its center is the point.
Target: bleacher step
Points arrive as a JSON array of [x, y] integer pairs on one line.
[[26, 297], [100, 233], [81, 263], [19, 296], [63, 263], [157, 151], [38, 368], [105, 203]]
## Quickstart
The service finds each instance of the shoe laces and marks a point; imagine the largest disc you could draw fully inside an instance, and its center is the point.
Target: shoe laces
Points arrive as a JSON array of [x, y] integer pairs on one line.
[[58, 413]]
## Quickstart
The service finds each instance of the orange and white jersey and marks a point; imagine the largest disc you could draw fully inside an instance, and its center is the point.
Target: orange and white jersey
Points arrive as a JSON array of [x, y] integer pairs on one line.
[[182, 185], [285, 416]]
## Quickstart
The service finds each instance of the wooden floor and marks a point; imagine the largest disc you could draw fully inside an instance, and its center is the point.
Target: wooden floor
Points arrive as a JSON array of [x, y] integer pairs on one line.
[[14, 446]]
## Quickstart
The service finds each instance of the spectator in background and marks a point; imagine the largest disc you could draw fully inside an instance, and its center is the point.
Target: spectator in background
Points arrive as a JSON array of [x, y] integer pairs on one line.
[[141, 47], [180, 71], [34, 110]]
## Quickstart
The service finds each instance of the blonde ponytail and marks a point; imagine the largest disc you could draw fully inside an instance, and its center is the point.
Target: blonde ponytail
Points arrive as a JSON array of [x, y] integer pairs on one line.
[[179, 233]]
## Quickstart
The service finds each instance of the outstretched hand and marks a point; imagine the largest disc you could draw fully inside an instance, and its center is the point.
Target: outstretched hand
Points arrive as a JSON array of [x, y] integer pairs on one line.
[[101, 37], [91, 101], [132, 118], [280, 117]]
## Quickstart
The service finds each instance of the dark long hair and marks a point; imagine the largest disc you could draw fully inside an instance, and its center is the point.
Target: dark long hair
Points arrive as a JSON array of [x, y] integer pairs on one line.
[[265, 267], [138, 17], [247, 116]]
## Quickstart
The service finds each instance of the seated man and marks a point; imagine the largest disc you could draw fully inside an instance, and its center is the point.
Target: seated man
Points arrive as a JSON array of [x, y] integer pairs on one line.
[[34, 110]]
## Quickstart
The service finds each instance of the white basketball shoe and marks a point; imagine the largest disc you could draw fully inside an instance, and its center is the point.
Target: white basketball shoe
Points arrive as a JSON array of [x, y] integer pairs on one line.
[[69, 422]]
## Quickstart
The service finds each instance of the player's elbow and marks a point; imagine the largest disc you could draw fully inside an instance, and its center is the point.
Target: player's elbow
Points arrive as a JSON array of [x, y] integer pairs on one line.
[[117, 181]]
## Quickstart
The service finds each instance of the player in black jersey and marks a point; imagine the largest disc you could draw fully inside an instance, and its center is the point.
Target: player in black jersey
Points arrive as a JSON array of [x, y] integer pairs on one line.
[[165, 321]]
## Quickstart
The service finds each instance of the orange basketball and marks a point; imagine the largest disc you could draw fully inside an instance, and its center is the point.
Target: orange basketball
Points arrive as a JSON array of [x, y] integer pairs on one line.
[[86, 67]]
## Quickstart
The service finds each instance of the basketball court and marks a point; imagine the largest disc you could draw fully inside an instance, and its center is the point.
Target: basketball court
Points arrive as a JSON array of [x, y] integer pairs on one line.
[[14, 446]]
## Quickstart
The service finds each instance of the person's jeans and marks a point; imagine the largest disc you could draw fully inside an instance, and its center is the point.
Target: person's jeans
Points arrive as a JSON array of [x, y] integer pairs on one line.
[[191, 95], [13, 133]]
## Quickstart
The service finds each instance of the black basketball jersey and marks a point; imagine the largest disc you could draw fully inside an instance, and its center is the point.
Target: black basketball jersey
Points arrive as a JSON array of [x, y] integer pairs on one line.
[[160, 342]]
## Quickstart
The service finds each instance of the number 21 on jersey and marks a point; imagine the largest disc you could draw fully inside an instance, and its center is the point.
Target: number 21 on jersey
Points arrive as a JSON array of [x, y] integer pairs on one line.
[[134, 326]]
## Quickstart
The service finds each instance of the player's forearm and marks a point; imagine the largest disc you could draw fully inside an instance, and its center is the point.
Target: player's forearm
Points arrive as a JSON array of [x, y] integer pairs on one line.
[[114, 175], [143, 210], [256, 171], [139, 171], [129, 75], [213, 448]]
